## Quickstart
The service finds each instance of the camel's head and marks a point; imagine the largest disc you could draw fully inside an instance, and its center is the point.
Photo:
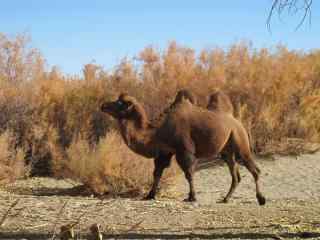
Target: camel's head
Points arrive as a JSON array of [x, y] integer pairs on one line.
[[125, 107]]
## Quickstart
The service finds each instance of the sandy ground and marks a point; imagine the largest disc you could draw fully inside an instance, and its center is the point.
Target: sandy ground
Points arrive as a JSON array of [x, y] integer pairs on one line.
[[39, 206]]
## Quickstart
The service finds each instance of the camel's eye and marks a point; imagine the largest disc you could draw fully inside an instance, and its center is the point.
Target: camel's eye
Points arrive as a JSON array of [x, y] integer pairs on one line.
[[119, 103], [122, 105]]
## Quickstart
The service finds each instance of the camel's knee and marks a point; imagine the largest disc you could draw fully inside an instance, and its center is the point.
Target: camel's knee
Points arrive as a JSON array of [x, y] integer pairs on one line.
[[160, 163], [235, 182], [250, 164], [186, 160], [235, 173], [188, 173], [253, 168], [229, 158]]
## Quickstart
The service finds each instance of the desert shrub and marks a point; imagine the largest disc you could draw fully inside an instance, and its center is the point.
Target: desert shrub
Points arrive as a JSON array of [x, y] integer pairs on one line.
[[110, 166], [12, 163], [311, 115]]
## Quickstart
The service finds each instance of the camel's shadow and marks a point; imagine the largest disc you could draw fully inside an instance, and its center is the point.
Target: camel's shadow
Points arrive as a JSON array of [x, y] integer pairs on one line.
[[46, 187], [84, 191], [73, 190]]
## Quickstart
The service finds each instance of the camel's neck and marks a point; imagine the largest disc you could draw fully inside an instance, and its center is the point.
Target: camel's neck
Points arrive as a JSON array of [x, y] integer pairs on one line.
[[138, 136]]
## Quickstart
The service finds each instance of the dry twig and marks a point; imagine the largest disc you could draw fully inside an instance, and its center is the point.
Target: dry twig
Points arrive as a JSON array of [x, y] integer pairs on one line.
[[58, 217], [8, 211]]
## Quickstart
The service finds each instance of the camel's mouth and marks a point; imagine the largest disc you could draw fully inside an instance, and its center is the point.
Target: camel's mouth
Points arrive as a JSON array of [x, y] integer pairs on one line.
[[109, 108], [118, 109]]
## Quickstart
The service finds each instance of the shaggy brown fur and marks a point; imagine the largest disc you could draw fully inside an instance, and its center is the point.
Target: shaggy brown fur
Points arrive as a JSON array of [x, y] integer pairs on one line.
[[183, 94], [189, 133], [220, 102]]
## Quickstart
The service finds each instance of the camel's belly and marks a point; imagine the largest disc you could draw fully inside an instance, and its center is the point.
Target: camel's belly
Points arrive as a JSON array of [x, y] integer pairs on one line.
[[141, 150], [206, 151], [211, 144]]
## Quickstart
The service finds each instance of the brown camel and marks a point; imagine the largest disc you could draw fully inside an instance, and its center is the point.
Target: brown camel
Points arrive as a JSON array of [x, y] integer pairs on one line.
[[188, 132]]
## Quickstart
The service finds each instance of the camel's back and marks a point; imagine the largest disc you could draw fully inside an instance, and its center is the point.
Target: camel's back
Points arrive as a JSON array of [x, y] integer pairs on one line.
[[198, 128], [220, 102], [197, 117]]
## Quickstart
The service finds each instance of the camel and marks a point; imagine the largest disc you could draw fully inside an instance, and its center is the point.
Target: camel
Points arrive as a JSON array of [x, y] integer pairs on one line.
[[188, 132]]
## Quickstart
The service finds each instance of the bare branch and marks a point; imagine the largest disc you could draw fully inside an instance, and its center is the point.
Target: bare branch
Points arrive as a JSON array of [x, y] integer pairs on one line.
[[293, 7], [271, 12], [307, 11]]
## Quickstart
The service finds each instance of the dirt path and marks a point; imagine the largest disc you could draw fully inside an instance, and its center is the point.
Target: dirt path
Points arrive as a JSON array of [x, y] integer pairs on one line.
[[292, 186]]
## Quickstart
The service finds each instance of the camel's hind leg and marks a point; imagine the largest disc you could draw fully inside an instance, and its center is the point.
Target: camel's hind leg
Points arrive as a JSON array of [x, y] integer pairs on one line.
[[237, 158], [228, 157], [242, 149], [249, 163]]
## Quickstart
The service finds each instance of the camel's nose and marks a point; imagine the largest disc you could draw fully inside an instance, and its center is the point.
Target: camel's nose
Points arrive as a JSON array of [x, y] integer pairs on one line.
[[105, 107]]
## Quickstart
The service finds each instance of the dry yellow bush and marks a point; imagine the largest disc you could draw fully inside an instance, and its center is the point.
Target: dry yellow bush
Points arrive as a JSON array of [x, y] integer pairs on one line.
[[12, 163], [52, 116], [311, 115], [111, 167]]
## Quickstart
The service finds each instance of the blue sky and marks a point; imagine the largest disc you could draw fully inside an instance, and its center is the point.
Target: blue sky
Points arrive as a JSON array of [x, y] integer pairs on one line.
[[71, 33]]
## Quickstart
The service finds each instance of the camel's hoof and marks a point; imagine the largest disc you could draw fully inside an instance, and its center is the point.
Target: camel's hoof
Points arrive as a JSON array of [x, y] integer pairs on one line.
[[225, 200], [96, 233], [66, 232], [261, 200], [148, 198], [190, 199]]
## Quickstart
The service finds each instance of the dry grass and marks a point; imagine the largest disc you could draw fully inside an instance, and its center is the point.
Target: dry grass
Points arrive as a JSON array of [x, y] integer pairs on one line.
[[111, 167], [53, 116], [12, 163], [310, 111]]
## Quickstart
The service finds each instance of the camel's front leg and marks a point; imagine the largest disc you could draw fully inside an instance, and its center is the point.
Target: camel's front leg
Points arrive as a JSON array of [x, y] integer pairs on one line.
[[160, 163], [188, 162]]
